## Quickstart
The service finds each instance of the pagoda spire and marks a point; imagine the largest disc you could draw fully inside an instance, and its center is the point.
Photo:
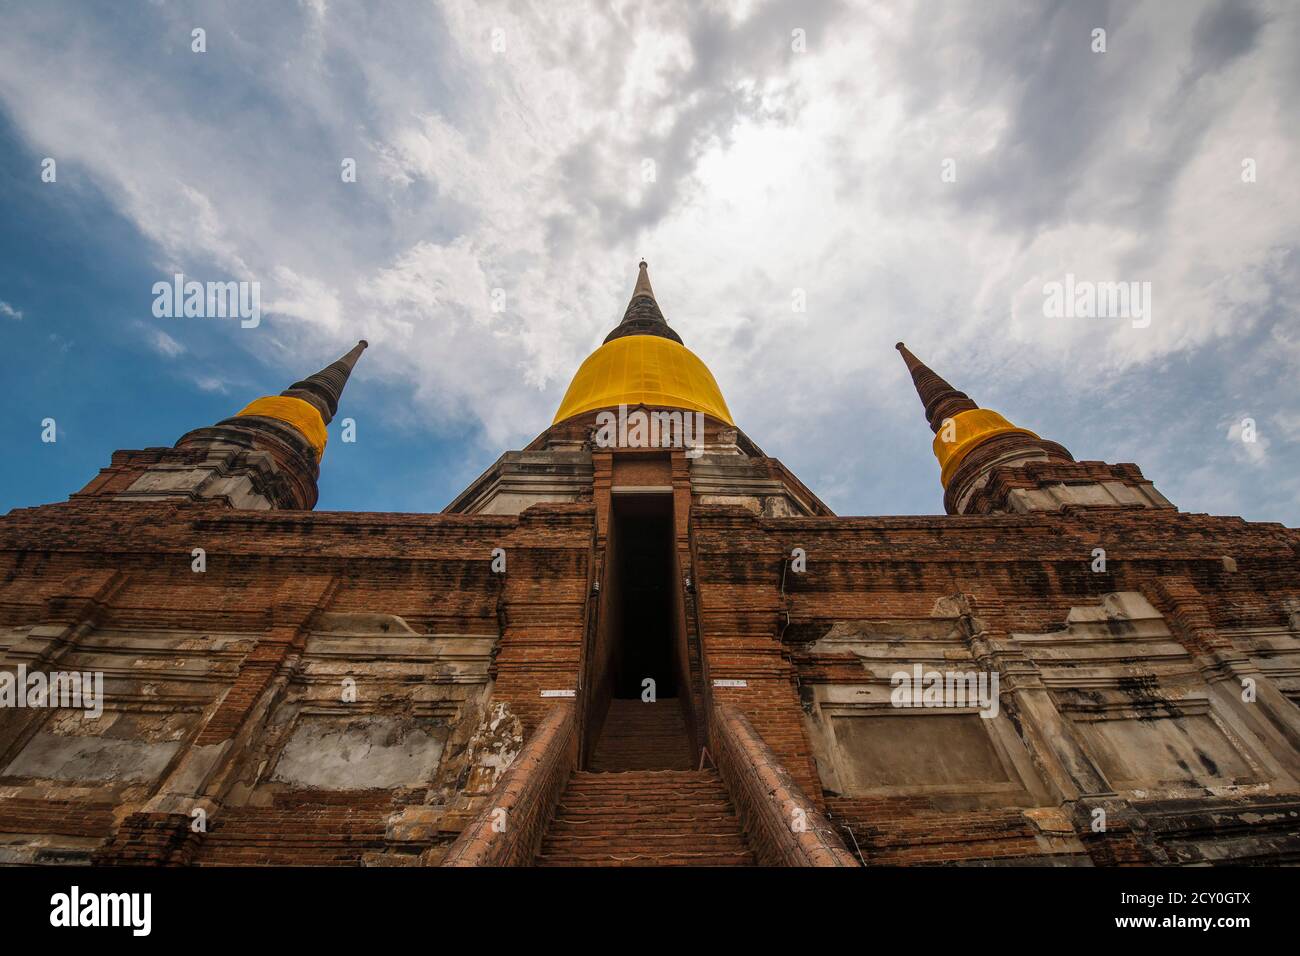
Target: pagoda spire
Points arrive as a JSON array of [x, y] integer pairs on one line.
[[643, 281], [969, 441], [324, 389], [987, 465], [265, 457], [309, 405], [643, 316], [940, 399]]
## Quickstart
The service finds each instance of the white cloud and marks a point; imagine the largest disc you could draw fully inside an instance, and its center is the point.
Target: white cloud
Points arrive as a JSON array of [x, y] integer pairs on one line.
[[1288, 423], [208, 383], [164, 344], [9, 311], [521, 171]]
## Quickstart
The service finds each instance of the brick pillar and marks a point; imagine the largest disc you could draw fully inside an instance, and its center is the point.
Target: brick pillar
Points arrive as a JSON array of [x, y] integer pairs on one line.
[[544, 609], [740, 639], [1065, 765], [692, 690], [602, 466]]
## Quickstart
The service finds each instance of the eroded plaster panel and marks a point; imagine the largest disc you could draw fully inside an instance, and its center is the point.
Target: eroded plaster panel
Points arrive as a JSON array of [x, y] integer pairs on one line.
[[116, 747], [360, 753]]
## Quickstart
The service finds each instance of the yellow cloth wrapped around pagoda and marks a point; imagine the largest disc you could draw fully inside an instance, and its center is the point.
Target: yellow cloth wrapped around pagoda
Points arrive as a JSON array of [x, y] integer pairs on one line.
[[643, 370], [962, 433], [302, 415]]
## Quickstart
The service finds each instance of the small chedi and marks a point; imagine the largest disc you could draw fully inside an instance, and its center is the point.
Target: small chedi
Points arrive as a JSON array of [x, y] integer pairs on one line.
[[640, 640]]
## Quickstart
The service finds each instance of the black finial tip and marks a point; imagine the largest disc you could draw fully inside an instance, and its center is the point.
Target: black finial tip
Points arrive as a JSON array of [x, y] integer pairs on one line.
[[364, 344], [643, 264], [899, 346]]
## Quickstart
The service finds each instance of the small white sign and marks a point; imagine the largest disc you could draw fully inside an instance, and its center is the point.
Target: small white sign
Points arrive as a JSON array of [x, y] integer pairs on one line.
[[559, 693], [730, 683]]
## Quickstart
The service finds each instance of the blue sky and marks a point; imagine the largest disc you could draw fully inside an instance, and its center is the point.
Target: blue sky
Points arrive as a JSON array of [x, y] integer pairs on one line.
[[507, 148]]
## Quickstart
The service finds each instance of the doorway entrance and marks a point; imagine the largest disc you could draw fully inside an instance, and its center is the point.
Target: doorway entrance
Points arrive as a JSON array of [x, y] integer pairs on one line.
[[645, 726], [643, 632]]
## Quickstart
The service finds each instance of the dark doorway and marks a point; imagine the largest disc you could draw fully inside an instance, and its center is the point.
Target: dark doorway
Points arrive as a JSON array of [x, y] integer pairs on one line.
[[644, 646]]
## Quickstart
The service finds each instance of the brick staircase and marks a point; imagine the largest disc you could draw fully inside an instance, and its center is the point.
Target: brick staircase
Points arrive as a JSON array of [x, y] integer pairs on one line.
[[302, 835], [641, 736], [645, 818], [641, 804]]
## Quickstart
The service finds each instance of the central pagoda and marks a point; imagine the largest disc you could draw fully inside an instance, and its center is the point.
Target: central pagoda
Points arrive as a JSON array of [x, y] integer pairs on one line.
[[643, 362]]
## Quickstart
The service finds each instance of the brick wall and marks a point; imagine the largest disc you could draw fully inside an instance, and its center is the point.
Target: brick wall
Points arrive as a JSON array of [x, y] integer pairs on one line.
[[96, 566], [1223, 585], [783, 826], [527, 793]]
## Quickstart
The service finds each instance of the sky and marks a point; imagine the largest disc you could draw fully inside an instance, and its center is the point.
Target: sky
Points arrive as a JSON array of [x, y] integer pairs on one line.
[[809, 182]]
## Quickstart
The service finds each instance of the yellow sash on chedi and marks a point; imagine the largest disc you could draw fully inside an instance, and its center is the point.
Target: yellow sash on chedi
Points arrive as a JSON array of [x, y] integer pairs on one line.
[[302, 415]]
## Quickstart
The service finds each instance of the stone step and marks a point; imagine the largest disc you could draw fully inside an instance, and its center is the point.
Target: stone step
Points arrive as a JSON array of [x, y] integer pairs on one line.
[[640, 735], [661, 713], [657, 801], [634, 809], [642, 785], [635, 814], [648, 860], [644, 792], [651, 780], [568, 825], [645, 818], [676, 843], [664, 779], [648, 791], [651, 792]]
